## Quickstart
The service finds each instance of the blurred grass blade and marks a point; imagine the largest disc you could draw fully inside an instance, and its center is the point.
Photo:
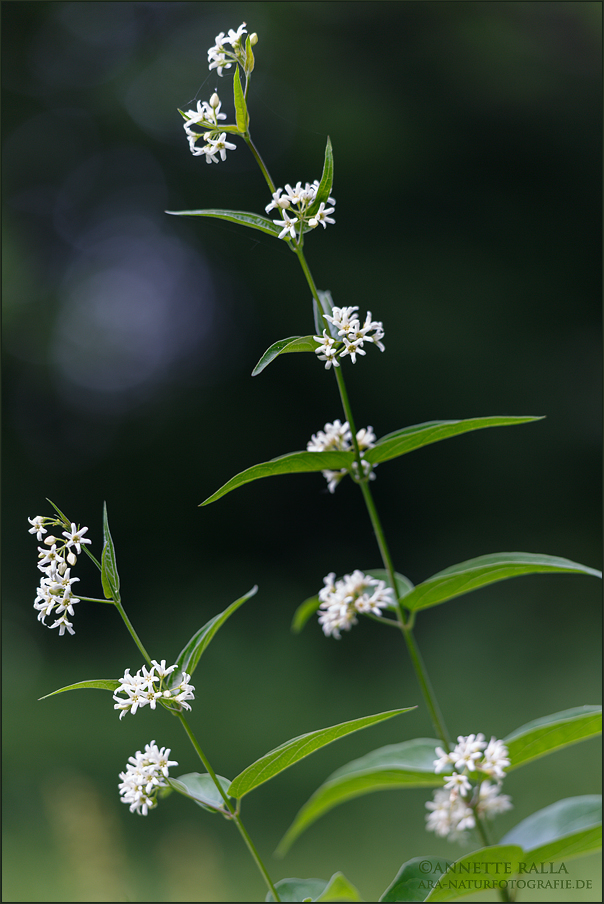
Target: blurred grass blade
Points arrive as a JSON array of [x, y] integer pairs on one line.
[[550, 733], [406, 765], [282, 347], [189, 656], [474, 573], [292, 463], [103, 684], [409, 438], [284, 756]]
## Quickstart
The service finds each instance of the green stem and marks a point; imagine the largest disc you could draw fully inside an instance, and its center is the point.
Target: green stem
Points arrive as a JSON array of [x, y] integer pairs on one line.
[[426, 687], [130, 626], [234, 815], [248, 140], [504, 894]]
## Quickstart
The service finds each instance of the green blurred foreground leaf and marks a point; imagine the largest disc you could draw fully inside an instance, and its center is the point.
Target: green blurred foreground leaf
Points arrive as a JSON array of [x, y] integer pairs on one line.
[[550, 733], [200, 787], [337, 889], [189, 656], [406, 765], [282, 347], [284, 756], [474, 573], [244, 217], [103, 684], [568, 828], [109, 576], [390, 446]]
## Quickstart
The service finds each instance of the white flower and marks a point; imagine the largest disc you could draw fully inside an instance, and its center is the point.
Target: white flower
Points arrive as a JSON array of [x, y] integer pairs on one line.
[[337, 437], [467, 751], [342, 600], [62, 624], [327, 350], [37, 527], [145, 774], [147, 687], [495, 759], [444, 761], [458, 784], [334, 437], [219, 57], [353, 335], [234, 37], [491, 802], [221, 145], [288, 226], [321, 216], [74, 537]]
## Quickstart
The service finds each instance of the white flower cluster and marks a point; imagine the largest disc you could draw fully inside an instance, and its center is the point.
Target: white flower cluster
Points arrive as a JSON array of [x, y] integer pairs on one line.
[[352, 334], [145, 774], [206, 117], [147, 687], [468, 791], [342, 600], [337, 437], [55, 562], [298, 201], [219, 57]]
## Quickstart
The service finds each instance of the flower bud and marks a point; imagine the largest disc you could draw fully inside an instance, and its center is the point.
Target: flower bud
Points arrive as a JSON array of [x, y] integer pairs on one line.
[[214, 101], [49, 540], [72, 558], [253, 39], [283, 203]]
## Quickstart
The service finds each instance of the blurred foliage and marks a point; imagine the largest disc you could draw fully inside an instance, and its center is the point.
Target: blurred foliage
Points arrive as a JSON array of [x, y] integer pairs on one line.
[[467, 145]]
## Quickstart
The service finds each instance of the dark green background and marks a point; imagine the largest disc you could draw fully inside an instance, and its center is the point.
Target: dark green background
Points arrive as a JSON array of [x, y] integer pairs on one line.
[[467, 144]]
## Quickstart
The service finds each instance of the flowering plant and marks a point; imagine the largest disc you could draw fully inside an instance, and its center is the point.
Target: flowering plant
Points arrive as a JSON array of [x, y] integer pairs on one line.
[[468, 775]]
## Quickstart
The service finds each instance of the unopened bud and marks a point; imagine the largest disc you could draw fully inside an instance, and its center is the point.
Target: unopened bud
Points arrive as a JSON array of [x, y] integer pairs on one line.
[[49, 540], [72, 558], [283, 203], [253, 39], [214, 101]]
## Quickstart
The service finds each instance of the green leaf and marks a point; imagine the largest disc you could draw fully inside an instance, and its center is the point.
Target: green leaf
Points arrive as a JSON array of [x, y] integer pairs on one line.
[[337, 889], [241, 114], [109, 576], [462, 877], [63, 517], [409, 438], [200, 787], [409, 764], [282, 347], [103, 684], [326, 182], [474, 573], [304, 611], [549, 733], [326, 308], [568, 828], [284, 756], [412, 882], [292, 463], [253, 220], [190, 655]]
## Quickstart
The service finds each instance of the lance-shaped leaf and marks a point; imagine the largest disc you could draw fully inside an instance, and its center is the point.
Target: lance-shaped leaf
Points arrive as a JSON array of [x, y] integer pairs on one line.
[[292, 463], [284, 756], [475, 573], [102, 684], [550, 733], [460, 880], [200, 787], [413, 880], [190, 655], [409, 438], [253, 220], [109, 576], [337, 889], [568, 828], [406, 765], [283, 347], [241, 114], [326, 182]]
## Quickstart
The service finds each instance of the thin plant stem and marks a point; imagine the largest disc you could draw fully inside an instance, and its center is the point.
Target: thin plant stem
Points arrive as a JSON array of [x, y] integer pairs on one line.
[[426, 687], [233, 813], [130, 626], [504, 894]]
